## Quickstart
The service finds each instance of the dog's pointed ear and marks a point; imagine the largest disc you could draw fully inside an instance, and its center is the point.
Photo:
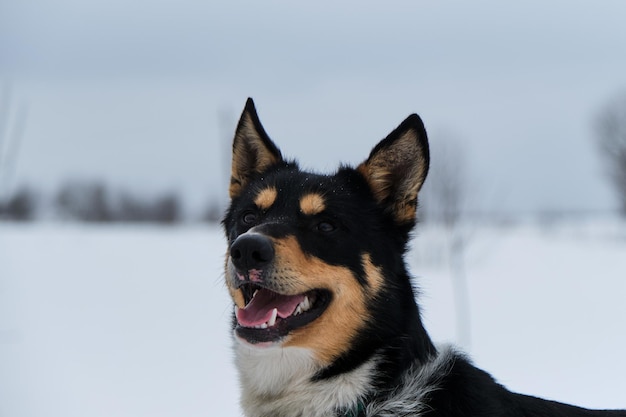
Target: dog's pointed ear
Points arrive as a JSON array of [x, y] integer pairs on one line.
[[253, 150], [397, 168]]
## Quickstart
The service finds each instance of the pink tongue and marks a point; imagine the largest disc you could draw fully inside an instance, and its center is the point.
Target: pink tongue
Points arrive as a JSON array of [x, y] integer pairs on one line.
[[259, 310]]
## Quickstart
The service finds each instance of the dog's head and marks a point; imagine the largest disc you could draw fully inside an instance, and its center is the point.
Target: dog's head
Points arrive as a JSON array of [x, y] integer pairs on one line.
[[313, 260]]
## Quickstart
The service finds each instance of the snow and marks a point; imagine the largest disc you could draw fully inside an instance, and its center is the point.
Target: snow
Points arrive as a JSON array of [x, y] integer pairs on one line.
[[134, 321], [114, 322]]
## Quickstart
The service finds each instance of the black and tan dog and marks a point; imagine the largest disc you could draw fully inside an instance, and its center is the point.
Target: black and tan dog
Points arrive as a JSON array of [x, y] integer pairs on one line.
[[325, 318]]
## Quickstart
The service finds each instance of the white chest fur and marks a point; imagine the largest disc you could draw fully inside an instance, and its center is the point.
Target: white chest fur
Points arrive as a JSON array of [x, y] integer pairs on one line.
[[278, 382]]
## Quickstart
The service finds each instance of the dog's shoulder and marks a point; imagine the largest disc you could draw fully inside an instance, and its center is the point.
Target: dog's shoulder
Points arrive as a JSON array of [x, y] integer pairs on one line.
[[450, 385], [416, 386]]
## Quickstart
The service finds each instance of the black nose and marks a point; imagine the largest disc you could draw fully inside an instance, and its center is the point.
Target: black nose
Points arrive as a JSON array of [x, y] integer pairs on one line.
[[251, 251]]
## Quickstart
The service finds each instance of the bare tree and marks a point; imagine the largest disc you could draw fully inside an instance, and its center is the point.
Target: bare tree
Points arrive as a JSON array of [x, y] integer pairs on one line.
[[96, 202], [444, 201], [21, 206], [165, 208], [610, 128], [226, 122], [213, 212], [445, 194], [12, 124], [84, 201]]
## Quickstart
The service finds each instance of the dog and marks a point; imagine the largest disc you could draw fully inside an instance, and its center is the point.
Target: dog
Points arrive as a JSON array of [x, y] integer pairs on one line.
[[325, 321]]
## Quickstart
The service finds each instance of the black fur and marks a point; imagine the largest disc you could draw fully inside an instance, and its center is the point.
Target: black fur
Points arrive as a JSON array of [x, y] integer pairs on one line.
[[394, 334]]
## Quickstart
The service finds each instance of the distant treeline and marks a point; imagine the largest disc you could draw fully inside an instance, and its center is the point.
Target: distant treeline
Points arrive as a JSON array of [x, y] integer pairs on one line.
[[97, 202]]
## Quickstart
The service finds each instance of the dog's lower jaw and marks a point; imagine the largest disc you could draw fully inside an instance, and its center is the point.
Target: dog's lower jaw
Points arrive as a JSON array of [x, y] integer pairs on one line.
[[279, 382]]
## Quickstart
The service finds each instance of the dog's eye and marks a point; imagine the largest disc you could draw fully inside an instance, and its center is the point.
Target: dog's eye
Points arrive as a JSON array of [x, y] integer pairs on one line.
[[325, 227], [249, 218]]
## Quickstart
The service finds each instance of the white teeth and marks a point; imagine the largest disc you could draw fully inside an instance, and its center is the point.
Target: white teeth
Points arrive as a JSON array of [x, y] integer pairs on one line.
[[304, 305], [255, 291], [272, 320]]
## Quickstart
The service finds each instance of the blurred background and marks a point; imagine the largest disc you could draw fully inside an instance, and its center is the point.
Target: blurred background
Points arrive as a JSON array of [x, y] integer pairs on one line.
[[116, 120]]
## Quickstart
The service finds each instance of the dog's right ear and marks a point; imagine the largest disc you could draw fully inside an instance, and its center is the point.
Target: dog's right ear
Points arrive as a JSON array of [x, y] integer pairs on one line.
[[253, 150]]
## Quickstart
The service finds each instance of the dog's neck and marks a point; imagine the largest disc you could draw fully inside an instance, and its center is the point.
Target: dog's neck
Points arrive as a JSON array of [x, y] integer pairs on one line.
[[280, 382], [290, 382]]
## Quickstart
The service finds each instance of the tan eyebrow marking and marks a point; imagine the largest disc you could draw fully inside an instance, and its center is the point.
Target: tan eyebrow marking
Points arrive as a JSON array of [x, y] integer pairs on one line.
[[311, 204], [266, 198]]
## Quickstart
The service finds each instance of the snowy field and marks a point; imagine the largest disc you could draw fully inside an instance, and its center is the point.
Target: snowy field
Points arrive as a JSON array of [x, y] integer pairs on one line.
[[133, 321]]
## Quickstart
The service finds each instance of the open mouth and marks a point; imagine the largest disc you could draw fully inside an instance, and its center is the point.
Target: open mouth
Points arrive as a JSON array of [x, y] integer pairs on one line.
[[268, 316]]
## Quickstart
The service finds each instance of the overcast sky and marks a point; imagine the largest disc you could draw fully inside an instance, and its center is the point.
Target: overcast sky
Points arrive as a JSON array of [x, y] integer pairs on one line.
[[143, 93]]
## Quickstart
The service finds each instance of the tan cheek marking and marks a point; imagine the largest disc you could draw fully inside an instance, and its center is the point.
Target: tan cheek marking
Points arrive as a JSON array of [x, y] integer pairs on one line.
[[373, 274], [312, 204], [237, 296], [266, 198], [331, 334]]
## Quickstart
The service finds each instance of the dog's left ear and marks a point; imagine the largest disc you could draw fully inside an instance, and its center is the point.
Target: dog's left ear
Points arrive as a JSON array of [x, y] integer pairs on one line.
[[253, 150], [397, 168]]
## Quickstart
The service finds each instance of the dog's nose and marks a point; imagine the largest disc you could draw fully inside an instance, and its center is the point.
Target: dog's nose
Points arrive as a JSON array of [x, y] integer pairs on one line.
[[251, 251]]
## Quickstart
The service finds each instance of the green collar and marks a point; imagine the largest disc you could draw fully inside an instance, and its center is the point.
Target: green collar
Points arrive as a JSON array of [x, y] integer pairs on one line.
[[356, 411]]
